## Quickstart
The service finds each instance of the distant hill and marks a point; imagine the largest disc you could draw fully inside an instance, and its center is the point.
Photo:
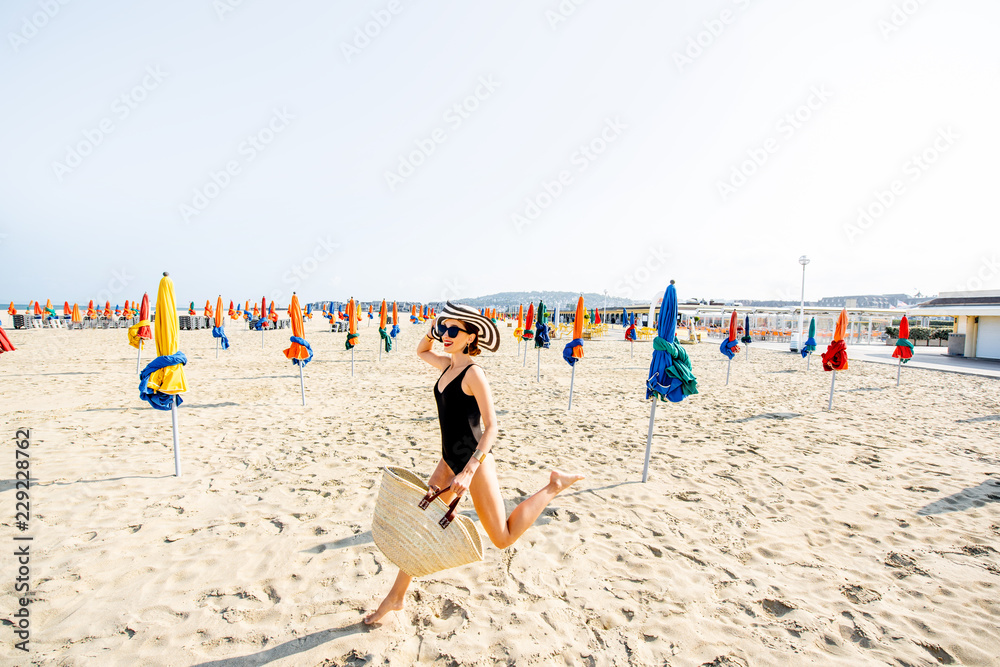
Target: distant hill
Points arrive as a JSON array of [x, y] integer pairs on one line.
[[565, 300]]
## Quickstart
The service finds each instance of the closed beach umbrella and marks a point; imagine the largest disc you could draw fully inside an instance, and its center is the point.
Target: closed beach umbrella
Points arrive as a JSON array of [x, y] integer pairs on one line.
[[76, 314], [810, 345], [299, 351], [573, 351], [272, 314], [395, 321], [140, 330], [746, 340], [729, 346], [126, 311], [219, 331], [162, 380], [541, 338], [262, 320], [67, 311], [208, 309], [519, 329], [352, 331], [11, 310], [233, 314], [670, 375], [118, 310], [191, 310], [107, 309], [90, 309], [256, 313], [383, 314], [51, 312], [835, 357], [904, 346], [529, 331], [413, 313], [5, 344]]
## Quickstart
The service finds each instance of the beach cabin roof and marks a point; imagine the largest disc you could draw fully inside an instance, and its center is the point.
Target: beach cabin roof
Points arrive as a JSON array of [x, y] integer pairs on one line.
[[978, 303]]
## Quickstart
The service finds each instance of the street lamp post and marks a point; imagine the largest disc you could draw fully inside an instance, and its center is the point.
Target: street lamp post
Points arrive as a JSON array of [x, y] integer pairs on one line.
[[803, 260]]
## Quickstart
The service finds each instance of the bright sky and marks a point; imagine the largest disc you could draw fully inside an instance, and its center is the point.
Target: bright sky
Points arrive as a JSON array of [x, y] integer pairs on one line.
[[460, 149]]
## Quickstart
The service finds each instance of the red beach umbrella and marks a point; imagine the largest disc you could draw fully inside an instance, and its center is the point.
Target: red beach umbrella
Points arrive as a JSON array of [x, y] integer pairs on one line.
[[904, 346], [835, 357]]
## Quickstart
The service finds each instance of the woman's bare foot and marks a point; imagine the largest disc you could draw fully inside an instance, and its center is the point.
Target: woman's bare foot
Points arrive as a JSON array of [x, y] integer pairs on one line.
[[561, 481], [388, 604]]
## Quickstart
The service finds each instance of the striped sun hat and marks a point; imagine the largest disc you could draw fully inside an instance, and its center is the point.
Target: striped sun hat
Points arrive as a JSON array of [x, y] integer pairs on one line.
[[489, 336]]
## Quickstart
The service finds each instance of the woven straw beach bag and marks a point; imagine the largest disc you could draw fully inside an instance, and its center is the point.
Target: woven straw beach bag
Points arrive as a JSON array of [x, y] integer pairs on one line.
[[417, 531]]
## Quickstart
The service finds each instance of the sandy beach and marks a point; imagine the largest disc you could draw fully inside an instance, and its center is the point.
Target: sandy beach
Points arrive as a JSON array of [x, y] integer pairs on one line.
[[771, 532]]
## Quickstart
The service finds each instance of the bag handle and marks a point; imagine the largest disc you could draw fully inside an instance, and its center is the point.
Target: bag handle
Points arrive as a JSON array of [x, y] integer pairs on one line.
[[432, 495]]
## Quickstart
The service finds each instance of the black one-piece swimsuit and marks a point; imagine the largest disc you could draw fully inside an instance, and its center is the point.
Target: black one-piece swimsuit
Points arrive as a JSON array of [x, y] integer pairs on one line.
[[459, 416]]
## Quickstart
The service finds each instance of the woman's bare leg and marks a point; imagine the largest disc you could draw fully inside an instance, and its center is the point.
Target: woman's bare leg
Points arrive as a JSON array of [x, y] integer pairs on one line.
[[503, 530], [393, 601]]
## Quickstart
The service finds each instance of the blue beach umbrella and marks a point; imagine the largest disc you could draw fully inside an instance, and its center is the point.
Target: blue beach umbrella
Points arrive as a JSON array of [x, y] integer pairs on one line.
[[746, 340], [670, 376], [810, 345], [541, 338]]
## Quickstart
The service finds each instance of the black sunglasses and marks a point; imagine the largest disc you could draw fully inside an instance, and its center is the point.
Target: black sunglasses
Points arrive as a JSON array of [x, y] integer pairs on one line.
[[451, 331]]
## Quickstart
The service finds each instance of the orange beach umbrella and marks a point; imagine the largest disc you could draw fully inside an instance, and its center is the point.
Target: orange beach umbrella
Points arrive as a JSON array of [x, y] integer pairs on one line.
[[297, 350], [835, 357], [76, 313], [218, 312]]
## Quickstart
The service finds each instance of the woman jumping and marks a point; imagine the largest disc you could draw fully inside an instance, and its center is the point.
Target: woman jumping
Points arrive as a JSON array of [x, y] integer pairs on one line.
[[463, 399]]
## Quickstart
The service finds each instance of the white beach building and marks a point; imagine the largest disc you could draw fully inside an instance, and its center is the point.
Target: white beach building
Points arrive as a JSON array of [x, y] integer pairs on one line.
[[977, 316]]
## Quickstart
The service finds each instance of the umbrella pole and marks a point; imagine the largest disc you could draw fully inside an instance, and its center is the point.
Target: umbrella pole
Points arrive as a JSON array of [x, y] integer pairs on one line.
[[262, 337], [538, 368], [899, 367], [572, 376], [216, 348], [302, 385], [518, 348], [380, 352], [173, 422], [649, 441], [808, 359], [729, 364], [524, 362], [832, 381], [138, 357], [631, 349], [352, 361]]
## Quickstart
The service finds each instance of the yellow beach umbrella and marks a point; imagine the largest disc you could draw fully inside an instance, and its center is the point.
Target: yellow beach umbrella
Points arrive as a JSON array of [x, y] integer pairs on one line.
[[162, 379]]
